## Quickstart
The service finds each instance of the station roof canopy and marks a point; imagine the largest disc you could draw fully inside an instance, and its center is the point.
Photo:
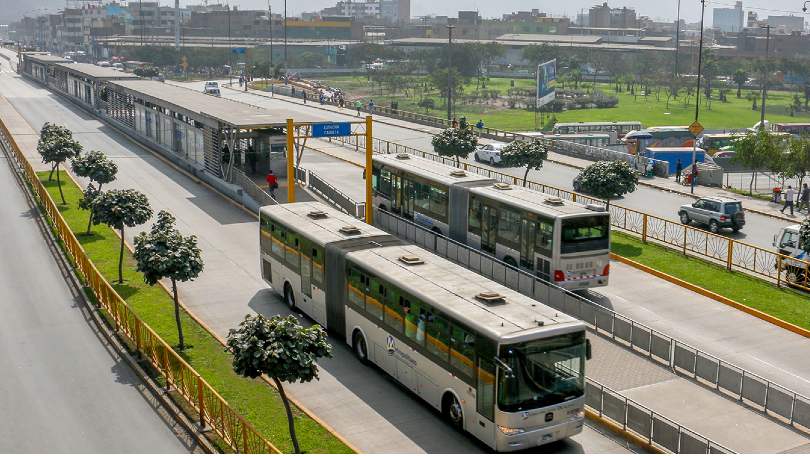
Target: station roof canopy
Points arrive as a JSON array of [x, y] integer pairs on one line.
[[194, 103], [94, 71], [45, 58]]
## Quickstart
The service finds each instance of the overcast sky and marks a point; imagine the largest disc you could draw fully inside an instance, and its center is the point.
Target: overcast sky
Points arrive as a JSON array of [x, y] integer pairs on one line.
[[659, 9]]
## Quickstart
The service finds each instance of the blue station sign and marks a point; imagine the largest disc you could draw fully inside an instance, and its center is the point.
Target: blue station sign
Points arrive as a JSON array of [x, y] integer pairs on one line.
[[324, 130]]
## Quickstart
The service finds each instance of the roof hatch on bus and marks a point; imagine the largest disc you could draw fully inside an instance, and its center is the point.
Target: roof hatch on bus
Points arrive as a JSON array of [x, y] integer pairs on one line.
[[490, 297], [403, 156], [458, 173], [501, 186], [317, 214], [349, 230], [554, 201], [411, 260]]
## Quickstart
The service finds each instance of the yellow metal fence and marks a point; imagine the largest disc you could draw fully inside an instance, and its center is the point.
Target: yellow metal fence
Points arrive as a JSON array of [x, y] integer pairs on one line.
[[732, 254], [212, 410]]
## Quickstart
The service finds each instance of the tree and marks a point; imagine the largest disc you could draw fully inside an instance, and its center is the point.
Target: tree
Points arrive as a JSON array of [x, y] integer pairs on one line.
[[99, 169], [165, 253], [281, 349], [56, 145], [120, 208], [538, 53], [607, 180], [455, 142], [529, 154], [795, 164], [756, 151], [740, 77]]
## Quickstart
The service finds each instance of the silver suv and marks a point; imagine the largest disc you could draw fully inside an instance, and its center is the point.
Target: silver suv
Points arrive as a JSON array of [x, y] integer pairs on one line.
[[715, 211]]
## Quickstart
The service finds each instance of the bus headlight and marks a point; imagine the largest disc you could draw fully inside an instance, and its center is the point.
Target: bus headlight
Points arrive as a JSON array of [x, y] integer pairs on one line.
[[578, 413], [510, 431]]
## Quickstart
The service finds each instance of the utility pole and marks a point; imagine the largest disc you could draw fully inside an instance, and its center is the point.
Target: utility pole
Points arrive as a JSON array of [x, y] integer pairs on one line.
[[230, 48], [285, 33], [765, 76], [177, 24], [677, 39], [270, 22], [140, 14], [697, 94], [450, 71]]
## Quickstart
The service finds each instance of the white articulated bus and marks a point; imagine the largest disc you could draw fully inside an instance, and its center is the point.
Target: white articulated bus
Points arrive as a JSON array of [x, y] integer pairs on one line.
[[560, 241], [505, 368]]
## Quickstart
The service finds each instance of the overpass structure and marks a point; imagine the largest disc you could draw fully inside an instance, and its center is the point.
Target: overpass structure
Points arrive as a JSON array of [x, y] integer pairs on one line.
[[220, 302]]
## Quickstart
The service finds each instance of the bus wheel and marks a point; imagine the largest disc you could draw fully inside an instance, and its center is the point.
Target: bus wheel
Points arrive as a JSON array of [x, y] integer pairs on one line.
[[452, 411], [289, 296], [359, 346], [510, 261], [436, 230]]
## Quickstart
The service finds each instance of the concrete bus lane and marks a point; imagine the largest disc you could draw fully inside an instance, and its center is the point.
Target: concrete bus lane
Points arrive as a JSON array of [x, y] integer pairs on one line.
[[63, 388], [759, 229], [364, 405]]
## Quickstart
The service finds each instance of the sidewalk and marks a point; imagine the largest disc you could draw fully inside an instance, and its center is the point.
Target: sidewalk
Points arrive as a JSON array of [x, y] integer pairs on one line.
[[665, 184]]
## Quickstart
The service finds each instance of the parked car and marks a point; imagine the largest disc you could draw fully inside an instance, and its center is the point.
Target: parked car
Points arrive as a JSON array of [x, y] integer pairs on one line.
[[787, 242], [489, 153], [211, 85], [716, 212], [214, 91]]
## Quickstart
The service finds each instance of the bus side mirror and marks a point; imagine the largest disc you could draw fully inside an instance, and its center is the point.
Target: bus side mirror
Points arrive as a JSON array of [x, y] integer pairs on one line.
[[774, 240], [588, 349]]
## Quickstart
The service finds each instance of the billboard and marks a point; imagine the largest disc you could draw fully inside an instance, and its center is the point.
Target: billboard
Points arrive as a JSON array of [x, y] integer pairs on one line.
[[546, 82]]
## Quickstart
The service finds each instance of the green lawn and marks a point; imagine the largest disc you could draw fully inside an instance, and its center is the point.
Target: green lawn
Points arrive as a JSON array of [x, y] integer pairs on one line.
[[254, 399], [735, 113], [785, 304]]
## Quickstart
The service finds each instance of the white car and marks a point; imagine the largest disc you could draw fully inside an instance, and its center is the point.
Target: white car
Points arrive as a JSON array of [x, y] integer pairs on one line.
[[211, 85], [489, 153]]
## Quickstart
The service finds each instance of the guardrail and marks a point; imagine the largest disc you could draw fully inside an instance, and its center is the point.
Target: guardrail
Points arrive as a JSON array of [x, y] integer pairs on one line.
[[726, 378], [211, 408], [732, 254], [334, 196], [238, 177]]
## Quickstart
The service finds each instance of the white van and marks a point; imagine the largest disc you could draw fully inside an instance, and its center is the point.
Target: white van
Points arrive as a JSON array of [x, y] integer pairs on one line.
[[787, 242]]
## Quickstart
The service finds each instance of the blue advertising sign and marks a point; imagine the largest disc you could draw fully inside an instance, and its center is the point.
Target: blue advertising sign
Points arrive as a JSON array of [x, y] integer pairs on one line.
[[546, 83], [239, 50], [323, 130]]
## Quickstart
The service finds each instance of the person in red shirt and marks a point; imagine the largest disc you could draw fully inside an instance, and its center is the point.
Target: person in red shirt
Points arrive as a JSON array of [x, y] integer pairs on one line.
[[272, 183]]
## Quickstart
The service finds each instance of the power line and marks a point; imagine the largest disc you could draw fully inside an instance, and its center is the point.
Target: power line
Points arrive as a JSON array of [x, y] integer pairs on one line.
[[756, 8]]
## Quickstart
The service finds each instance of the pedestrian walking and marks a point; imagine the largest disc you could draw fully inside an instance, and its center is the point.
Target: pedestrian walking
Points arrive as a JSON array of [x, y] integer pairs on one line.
[[371, 106], [804, 199], [272, 183], [251, 158], [320, 98], [789, 195], [678, 171], [479, 125], [305, 96], [358, 105], [454, 123]]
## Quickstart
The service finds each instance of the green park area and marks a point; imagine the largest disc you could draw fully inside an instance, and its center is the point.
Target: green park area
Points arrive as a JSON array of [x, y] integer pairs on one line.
[[254, 399], [504, 106]]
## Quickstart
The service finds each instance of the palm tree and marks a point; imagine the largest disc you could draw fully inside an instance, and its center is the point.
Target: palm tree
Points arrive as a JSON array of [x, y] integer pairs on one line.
[[740, 77]]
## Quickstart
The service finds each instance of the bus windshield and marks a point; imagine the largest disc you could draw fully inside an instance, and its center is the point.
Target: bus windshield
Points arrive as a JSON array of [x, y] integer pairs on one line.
[[583, 234], [544, 372]]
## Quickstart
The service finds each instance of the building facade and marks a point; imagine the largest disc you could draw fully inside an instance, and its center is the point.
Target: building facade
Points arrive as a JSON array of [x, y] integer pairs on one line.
[[603, 16], [729, 20], [786, 24]]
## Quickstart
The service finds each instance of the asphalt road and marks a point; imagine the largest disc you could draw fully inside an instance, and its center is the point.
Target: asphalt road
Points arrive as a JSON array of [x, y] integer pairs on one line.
[[62, 388], [366, 406], [759, 230]]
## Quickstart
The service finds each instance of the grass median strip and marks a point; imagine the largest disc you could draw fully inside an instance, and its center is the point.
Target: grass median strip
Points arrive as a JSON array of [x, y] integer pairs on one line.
[[784, 304], [254, 399]]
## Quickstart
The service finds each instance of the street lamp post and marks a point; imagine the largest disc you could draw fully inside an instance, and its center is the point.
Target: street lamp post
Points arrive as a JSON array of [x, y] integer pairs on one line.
[[270, 22], [697, 95], [450, 71], [140, 15], [677, 38], [765, 76], [285, 33], [230, 49]]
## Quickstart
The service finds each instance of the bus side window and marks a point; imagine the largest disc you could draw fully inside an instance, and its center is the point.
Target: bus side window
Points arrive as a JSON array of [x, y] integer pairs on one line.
[[544, 241], [415, 321], [394, 315], [462, 350], [438, 336], [356, 289], [385, 182], [509, 228], [375, 300], [317, 267], [474, 223], [485, 387]]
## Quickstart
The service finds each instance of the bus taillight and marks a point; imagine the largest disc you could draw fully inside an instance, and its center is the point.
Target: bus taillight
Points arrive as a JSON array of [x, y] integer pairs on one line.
[[606, 270], [559, 276]]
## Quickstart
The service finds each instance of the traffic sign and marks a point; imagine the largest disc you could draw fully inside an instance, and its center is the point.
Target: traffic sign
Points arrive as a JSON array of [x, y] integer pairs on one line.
[[696, 128], [322, 130]]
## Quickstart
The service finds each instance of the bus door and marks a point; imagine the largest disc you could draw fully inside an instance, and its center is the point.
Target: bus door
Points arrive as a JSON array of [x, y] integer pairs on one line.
[[527, 235], [489, 228], [396, 193], [408, 194]]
